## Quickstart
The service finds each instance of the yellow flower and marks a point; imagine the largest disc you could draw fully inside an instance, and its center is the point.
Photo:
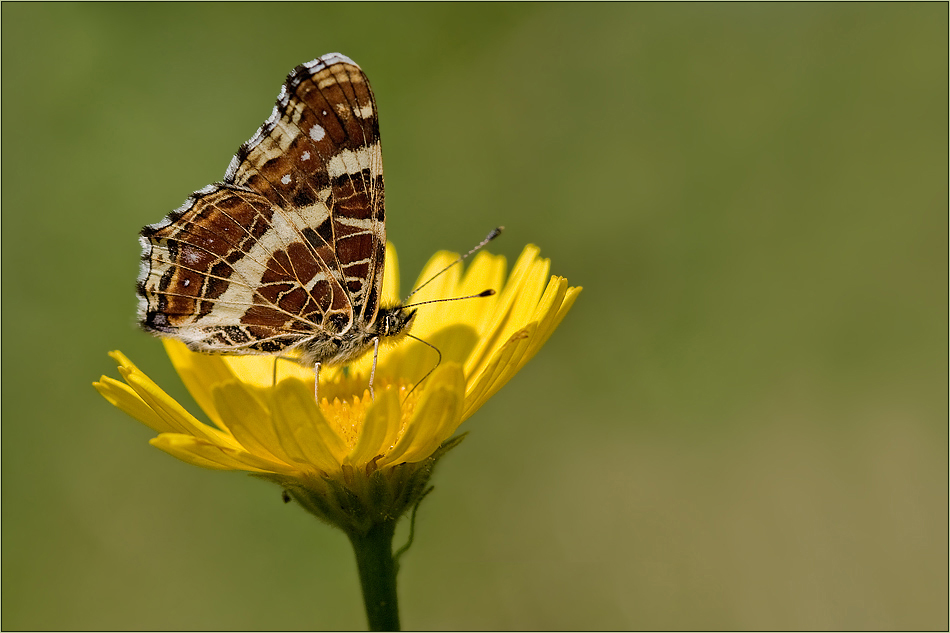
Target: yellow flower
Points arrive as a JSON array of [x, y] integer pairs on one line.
[[353, 460]]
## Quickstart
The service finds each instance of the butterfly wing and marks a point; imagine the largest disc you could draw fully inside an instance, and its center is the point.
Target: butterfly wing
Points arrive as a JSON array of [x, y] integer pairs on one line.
[[290, 247], [319, 151]]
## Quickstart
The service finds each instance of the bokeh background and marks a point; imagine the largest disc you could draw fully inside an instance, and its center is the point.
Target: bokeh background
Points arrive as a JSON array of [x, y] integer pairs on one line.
[[741, 425]]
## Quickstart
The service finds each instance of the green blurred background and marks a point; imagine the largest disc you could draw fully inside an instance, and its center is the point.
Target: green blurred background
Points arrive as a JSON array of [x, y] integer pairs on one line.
[[742, 423]]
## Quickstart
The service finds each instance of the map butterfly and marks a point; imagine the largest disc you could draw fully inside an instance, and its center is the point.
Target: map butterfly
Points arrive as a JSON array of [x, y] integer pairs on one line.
[[287, 252]]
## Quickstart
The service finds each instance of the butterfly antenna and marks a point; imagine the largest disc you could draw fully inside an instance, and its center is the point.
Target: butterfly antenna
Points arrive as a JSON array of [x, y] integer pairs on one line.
[[494, 233], [483, 293], [428, 373]]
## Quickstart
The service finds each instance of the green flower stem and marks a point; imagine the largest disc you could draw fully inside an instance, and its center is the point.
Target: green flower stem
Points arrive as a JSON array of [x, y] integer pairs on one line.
[[377, 569]]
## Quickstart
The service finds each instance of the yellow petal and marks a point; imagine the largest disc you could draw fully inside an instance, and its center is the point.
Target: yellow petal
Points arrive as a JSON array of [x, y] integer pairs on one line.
[[509, 313], [125, 398], [199, 372], [248, 419], [414, 359], [523, 345], [391, 276], [451, 327], [432, 318], [265, 370], [121, 359], [209, 455], [455, 343], [379, 428], [434, 419], [302, 431], [544, 315], [501, 367], [178, 446], [168, 409], [486, 272], [550, 316], [528, 290], [436, 287]]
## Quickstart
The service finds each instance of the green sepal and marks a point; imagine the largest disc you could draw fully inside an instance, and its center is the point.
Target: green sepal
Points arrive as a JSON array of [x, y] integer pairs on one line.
[[364, 498]]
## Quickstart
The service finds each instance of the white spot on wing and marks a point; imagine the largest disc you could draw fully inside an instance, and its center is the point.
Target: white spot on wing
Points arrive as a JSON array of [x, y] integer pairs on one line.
[[305, 156], [190, 255], [317, 132], [286, 179]]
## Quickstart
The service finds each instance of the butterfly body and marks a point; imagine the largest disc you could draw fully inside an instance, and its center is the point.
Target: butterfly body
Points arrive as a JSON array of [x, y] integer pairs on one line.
[[390, 323], [287, 252]]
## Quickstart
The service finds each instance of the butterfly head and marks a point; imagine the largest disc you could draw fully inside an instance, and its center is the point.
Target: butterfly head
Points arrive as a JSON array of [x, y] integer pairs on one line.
[[393, 321]]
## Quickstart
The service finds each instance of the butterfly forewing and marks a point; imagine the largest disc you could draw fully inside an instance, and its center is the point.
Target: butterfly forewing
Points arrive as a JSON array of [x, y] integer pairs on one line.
[[319, 154], [289, 249]]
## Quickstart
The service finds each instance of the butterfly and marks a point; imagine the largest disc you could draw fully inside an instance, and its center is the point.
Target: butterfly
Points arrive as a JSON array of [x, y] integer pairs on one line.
[[286, 253]]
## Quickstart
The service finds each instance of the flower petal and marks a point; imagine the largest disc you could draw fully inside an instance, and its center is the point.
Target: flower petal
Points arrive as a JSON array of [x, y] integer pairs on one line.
[[553, 307], [121, 395], [199, 372], [413, 360], [179, 446], [168, 409], [486, 272], [391, 276], [436, 287], [303, 432], [266, 371], [503, 365], [530, 276], [380, 427], [435, 418], [248, 419], [210, 455], [523, 345], [524, 286]]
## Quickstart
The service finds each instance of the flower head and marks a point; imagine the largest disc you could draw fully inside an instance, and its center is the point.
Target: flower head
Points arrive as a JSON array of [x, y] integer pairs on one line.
[[351, 459]]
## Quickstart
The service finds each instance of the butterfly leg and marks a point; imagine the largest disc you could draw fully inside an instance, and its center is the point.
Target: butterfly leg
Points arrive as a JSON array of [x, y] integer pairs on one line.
[[316, 382], [372, 372]]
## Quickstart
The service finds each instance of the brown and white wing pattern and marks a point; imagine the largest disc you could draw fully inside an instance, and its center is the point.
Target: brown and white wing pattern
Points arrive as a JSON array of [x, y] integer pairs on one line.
[[286, 252]]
